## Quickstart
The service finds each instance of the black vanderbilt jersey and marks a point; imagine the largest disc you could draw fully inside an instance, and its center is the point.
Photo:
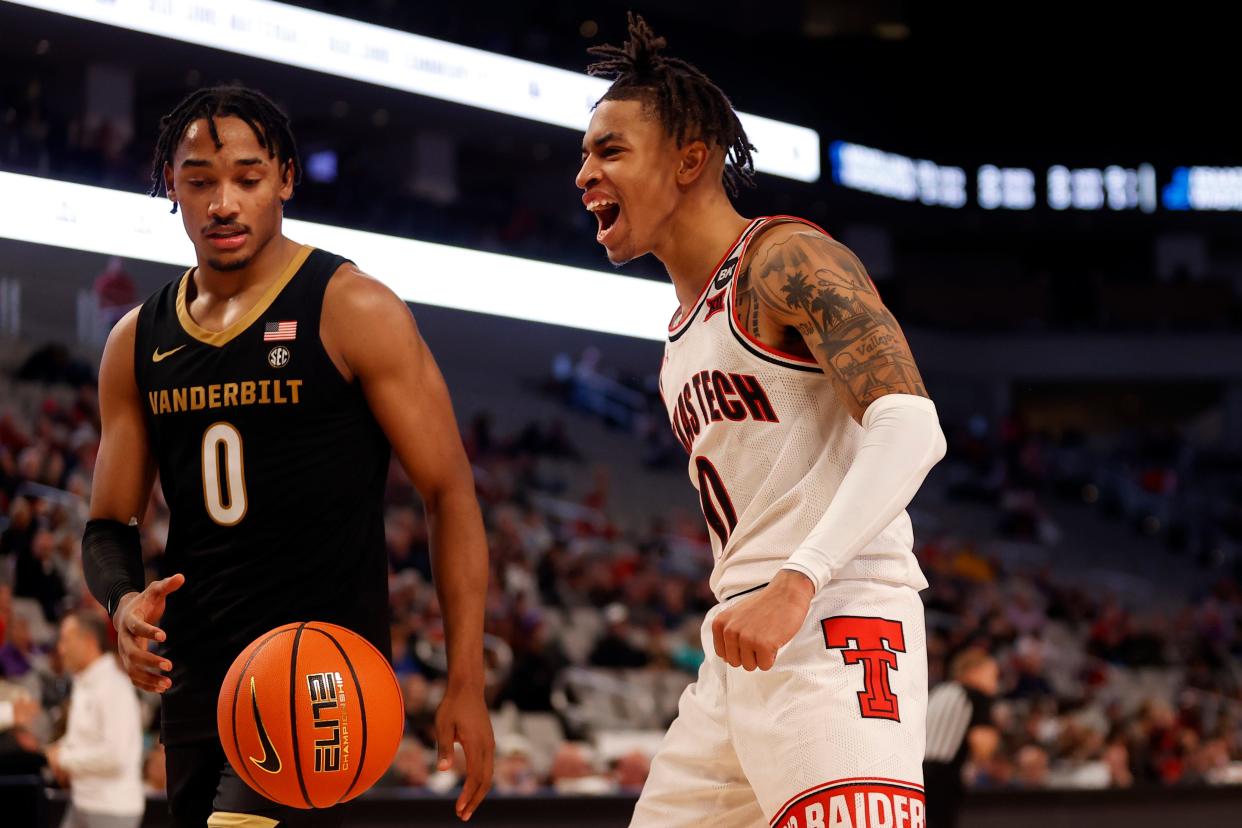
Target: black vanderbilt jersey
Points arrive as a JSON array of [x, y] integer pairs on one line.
[[273, 468]]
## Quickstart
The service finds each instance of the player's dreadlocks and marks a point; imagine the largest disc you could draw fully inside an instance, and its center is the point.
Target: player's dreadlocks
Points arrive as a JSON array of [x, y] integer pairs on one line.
[[688, 104], [270, 126]]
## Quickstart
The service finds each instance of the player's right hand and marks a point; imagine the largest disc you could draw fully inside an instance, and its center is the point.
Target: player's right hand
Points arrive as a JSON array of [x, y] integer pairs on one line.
[[135, 618], [751, 632]]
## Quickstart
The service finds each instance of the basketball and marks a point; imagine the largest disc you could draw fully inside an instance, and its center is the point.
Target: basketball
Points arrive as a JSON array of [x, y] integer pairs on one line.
[[310, 715]]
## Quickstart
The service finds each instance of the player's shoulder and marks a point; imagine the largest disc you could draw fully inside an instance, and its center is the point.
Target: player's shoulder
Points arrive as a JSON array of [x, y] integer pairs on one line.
[[780, 231], [356, 305], [124, 333], [352, 291], [127, 325], [116, 366], [365, 322]]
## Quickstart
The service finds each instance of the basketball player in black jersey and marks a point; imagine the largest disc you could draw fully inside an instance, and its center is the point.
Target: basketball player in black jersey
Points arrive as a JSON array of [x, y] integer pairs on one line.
[[268, 386]]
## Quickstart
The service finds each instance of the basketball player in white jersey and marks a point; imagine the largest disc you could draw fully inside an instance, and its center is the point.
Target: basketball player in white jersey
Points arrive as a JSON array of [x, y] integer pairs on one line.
[[809, 430]]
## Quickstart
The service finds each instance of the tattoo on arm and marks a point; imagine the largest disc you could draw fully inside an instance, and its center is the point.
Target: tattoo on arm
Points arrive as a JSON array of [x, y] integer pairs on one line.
[[817, 286], [746, 305]]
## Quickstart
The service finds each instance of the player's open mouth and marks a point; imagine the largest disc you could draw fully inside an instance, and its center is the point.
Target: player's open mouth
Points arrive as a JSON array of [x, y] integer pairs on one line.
[[606, 213]]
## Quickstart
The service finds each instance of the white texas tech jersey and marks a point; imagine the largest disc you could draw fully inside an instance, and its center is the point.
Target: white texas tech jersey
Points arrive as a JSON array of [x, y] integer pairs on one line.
[[768, 442]]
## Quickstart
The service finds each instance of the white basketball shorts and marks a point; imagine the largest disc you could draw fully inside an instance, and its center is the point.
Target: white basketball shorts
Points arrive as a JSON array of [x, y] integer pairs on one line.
[[831, 737]]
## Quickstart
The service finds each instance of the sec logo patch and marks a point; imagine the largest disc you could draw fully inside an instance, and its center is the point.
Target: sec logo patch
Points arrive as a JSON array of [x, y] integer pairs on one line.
[[278, 357]]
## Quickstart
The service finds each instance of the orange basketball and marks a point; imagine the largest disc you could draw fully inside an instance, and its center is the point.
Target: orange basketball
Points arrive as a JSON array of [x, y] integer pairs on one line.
[[310, 715]]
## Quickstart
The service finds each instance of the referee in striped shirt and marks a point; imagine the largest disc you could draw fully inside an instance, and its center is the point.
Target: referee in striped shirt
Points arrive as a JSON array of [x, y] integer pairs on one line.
[[959, 727]]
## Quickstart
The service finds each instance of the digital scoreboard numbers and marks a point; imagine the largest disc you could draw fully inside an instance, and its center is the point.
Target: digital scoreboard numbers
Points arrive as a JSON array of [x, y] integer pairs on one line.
[[1114, 188], [1111, 188], [897, 176], [1008, 188]]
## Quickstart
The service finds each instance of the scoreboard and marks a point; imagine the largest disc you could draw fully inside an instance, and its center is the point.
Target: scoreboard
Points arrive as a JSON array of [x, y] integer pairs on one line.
[[1114, 188]]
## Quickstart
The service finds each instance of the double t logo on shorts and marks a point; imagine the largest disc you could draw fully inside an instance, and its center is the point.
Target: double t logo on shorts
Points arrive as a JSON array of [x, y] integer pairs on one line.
[[869, 637]]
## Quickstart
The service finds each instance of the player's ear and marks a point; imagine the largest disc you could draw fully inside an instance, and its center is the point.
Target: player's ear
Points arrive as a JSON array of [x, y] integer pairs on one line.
[[169, 189], [694, 158], [287, 175]]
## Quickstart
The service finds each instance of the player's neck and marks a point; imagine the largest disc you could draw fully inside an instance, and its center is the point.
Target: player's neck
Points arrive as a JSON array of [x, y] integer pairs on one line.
[[265, 266], [697, 237]]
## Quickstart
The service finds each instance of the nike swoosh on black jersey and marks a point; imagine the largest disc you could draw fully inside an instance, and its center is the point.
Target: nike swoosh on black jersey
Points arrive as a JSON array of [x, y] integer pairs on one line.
[[156, 356], [270, 761]]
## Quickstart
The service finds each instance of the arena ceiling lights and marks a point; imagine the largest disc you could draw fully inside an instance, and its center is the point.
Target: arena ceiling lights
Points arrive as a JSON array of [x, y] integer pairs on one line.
[[408, 62], [114, 223]]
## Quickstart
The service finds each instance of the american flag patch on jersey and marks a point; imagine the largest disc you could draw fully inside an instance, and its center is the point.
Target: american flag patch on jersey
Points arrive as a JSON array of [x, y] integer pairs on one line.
[[277, 331]]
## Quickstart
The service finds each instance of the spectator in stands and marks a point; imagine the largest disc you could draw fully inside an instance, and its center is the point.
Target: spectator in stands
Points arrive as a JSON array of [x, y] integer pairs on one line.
[[616, 648], [1032, 767], [6, 611], [19, 747], [537, 659], [573, 771], [515, 772], [1117, 760], [409, 768], [100, 755], [630, 772], [115, 294], [54, 363], [18, 536], [36, 574], [19, 711], [1029, 664], [19, 657], [420, 708], [1157, 744]]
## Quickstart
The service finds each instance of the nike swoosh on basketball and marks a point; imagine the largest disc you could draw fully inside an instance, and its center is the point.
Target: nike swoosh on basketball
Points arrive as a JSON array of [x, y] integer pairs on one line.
[[156, 356], [270, 761]]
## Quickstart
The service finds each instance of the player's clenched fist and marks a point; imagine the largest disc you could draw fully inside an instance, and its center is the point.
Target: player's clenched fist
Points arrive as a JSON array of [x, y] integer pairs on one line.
[[750, 633], [135, 618]]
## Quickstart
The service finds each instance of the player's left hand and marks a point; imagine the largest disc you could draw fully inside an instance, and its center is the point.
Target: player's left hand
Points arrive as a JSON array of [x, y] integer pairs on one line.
[[462, 717], [750, 633]]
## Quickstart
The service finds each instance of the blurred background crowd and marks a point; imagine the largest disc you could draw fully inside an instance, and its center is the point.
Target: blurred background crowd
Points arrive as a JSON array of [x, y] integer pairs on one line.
[[1085, 528]]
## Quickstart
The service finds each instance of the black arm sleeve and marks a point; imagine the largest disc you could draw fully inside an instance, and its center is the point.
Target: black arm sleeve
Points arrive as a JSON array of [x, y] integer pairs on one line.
[[981, 708], [112, 561]]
